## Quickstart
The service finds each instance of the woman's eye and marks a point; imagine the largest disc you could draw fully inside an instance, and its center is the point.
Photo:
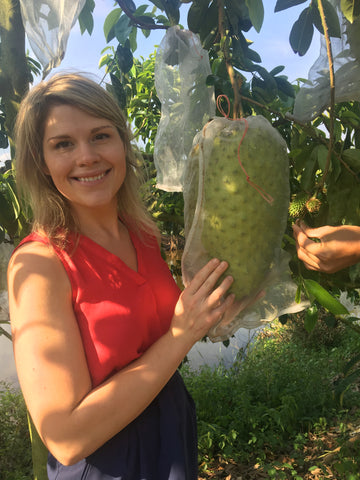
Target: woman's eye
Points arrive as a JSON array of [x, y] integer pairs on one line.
[[62, 144], [101, 136]]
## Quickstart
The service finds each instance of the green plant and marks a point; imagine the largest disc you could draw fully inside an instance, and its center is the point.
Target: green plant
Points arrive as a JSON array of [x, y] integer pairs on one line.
[[15, 446], [268, 403]]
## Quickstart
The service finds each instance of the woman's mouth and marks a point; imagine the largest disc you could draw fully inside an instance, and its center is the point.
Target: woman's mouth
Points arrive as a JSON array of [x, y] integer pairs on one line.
[[93, 178]]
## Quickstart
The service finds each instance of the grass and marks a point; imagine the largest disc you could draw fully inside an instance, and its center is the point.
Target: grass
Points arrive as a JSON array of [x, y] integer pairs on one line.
[[274, 415]]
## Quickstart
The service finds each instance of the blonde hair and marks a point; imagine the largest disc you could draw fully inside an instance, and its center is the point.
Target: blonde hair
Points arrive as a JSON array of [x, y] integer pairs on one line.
[[51, 211]]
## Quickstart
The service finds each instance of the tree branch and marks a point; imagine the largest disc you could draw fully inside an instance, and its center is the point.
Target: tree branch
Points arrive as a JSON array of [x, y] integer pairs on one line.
[[137, 21], [230, 69]]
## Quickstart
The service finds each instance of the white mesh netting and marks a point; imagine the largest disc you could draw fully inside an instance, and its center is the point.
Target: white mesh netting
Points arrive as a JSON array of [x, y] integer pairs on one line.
[[240, 216]]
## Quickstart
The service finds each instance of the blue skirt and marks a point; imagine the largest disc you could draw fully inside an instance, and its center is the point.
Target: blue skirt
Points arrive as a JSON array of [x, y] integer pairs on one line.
[[160, 444]]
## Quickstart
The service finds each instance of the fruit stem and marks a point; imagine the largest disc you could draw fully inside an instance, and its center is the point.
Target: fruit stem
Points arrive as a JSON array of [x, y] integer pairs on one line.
[[235, 80]]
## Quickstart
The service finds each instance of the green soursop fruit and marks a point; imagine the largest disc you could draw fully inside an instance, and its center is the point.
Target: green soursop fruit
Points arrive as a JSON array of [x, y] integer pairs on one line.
[[297, 207], [238, 224]]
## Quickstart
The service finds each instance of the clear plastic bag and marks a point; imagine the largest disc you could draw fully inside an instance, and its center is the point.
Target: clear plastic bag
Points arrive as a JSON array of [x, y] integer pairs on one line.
[[236, 195], [314, 96], [181, 68], [47, 25]]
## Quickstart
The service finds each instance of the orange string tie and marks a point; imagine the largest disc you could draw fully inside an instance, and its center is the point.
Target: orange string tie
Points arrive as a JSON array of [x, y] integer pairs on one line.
[[266, 196], [220, 108], [195, 47]]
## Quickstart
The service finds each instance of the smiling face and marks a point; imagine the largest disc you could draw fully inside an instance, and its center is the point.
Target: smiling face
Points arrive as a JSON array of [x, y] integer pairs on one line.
[[85, 157]]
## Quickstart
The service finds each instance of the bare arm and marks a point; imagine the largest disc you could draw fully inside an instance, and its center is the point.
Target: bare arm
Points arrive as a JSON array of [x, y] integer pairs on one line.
[[336, 247], [72, 418]]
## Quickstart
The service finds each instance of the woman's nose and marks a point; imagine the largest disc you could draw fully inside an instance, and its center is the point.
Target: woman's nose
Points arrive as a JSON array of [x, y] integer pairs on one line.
[[87, 154]]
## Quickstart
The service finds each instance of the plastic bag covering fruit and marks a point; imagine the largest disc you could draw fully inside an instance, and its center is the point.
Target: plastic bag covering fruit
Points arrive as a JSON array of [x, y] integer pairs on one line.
[[314, 96], [47, 25], [181, 69], [229, 218]]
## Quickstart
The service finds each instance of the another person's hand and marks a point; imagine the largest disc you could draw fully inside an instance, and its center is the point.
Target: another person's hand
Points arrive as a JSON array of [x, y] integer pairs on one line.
[[327, 249]]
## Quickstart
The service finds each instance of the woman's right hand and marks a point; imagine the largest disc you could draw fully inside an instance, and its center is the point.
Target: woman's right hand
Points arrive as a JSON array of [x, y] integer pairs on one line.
[[201, 305]]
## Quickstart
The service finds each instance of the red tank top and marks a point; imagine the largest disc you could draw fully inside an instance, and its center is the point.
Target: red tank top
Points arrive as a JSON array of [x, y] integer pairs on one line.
[[120, 312]]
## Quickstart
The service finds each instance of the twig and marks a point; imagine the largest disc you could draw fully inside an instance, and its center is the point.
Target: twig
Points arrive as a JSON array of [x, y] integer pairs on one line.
[[332, 88], [5, 333], [238, 110]]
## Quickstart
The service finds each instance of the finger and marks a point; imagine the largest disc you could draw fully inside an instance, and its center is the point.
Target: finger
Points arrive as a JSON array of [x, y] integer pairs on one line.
[[311, 262], [224, 310], [306, 244], [202, 275], [209, 282], [314, 233], [217, 297], [300, 236]]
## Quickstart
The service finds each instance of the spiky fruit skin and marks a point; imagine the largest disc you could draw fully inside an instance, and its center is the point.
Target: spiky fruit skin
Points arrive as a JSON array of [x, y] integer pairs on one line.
[[297, 207], [313, 205], [239, 225]]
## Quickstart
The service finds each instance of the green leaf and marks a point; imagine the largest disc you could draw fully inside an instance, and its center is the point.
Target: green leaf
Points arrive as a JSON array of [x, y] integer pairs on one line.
[[277, 70], [129, 5], [311, 318], [324, 297], [110, 22], [321, 153], [302, 32], [123, 29], [331, 19], [210, 22], [351, 156], [348, 116], [307, 177], [330, 320], [86, 20], [285, 86], [196, 14], [124, 57], [132, 38], [172, 10], [117, 89], [253, 55], [256, 13], [4, 142], [284, 4], [105, 60], [350, 9]]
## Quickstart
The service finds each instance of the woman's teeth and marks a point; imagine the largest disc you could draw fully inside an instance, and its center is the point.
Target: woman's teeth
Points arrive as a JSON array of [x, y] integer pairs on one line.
[[92, 179]]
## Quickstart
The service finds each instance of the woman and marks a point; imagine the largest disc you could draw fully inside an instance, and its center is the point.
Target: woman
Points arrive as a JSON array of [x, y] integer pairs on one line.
[[98, 323]]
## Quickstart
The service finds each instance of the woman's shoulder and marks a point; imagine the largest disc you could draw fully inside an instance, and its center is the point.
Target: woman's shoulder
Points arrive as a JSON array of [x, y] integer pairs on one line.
[[35, 253]]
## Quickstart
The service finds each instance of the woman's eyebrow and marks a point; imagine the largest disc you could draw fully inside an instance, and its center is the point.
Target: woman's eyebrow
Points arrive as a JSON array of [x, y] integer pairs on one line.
[[66, 135]]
